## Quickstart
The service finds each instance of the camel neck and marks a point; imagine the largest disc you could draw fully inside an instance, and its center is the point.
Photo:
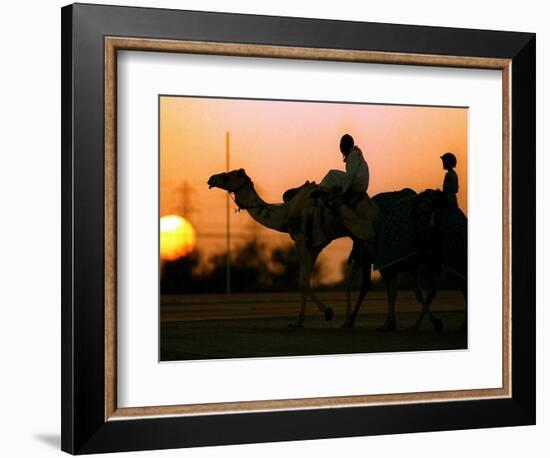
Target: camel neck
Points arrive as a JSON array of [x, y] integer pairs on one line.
[[272, 216]]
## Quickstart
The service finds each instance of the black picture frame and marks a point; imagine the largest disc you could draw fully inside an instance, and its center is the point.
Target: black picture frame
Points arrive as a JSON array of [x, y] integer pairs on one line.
[[84, 427]]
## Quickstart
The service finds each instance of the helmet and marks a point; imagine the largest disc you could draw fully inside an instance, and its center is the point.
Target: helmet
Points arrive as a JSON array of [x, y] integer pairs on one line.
[[346, 144], [449, 160]]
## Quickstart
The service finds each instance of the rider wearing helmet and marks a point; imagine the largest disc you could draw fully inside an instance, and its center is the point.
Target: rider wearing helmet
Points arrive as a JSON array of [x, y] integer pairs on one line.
[[450, 182], [346, 191], [356, 177]]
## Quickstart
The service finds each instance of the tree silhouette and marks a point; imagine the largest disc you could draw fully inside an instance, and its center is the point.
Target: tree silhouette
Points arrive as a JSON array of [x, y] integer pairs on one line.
[[249, 269], [285, 272], [180, 277], [254, 268]]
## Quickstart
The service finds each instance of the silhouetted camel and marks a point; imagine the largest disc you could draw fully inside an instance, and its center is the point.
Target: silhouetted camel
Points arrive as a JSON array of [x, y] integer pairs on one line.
[[428, 259], [289, 217]]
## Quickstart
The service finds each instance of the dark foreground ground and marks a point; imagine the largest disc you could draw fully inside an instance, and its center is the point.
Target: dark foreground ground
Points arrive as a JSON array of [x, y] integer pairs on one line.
[[239, 326]]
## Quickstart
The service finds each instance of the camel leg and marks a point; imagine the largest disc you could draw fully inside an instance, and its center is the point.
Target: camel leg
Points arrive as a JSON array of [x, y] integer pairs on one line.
[[425, 303], [437, 323], [420, 298], [464, 290], [391, 284], [307, 260], [328, 312], [365, 287], [350, 270], [351, 273], [304, 273], [302, 314], [311, 257]]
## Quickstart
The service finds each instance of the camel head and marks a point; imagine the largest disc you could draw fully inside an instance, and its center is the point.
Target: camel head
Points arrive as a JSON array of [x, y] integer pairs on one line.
[[232, 181]]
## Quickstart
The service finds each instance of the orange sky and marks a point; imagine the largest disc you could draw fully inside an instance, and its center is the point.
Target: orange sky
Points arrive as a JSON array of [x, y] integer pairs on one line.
[[282, 144]]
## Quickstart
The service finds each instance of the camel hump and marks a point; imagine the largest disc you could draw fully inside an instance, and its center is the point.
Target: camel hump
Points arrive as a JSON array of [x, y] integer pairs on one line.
[[385, 200], [289, 194], [396, 231]]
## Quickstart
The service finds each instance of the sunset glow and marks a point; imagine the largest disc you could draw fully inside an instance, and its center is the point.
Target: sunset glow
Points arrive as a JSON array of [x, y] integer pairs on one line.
[[177, 237]]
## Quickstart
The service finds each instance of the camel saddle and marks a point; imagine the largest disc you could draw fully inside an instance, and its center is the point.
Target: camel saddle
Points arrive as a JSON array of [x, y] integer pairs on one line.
[[289, 194], [309, 216], [359, 213], [351, 198], [412, 223]]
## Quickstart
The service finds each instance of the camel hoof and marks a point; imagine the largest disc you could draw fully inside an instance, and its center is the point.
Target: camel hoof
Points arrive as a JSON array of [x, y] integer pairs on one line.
[[389, 325], [328, 314], [347, 324], [296, 325], [438, 325]]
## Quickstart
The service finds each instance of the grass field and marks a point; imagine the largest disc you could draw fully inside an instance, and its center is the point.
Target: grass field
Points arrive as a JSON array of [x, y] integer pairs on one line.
[[257, 325]]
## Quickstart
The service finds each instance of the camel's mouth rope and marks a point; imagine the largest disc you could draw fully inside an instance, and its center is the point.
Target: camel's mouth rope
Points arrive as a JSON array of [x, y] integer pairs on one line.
[[232, 196], [242, 207]]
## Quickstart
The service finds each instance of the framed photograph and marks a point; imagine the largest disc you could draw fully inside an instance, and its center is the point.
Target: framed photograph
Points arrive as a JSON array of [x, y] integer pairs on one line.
[[284, 228]]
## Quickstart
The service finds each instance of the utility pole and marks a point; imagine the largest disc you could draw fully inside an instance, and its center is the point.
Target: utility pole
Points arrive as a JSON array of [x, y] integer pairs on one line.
[[228, 225]]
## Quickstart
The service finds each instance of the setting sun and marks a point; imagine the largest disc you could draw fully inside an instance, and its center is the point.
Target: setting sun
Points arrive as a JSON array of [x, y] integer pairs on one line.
[[177, 237]]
